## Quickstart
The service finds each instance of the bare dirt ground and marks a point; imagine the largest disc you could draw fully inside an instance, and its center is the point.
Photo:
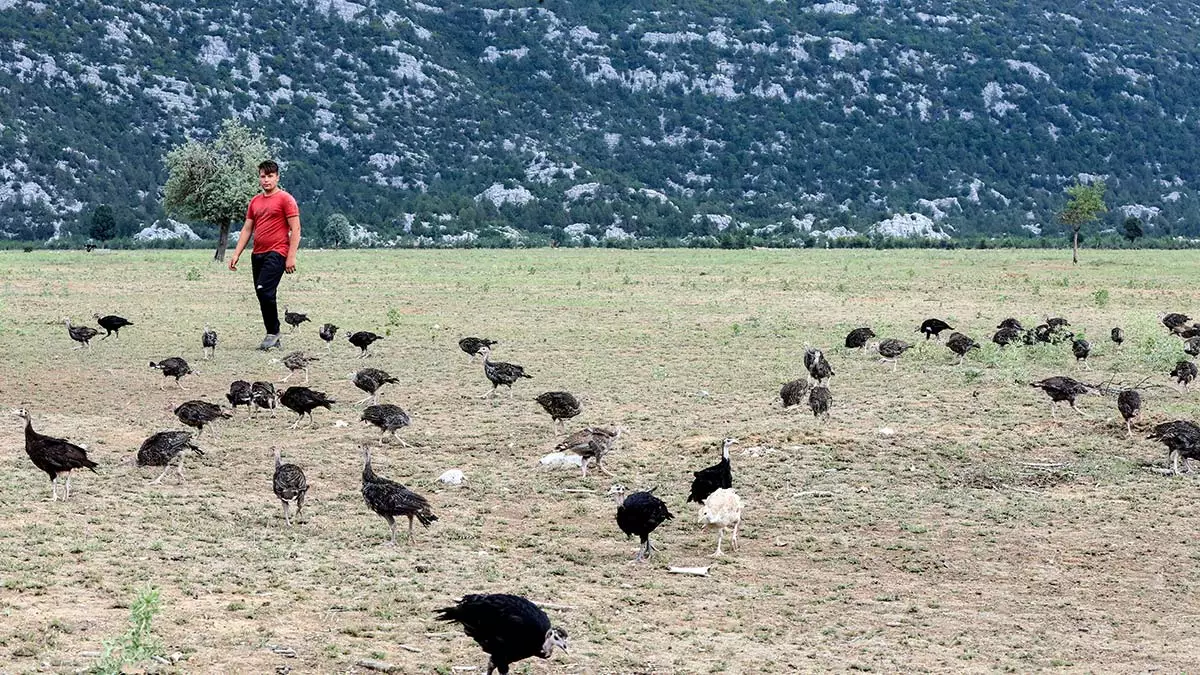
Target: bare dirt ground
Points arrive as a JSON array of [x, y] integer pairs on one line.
[[907, 533]]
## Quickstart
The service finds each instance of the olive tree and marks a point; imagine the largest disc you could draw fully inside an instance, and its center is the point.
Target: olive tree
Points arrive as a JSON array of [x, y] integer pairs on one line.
[[336, 232], [1086, 203], [213, 182]]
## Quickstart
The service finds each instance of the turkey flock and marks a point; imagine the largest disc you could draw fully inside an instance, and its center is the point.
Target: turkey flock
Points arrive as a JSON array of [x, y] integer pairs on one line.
[[510, 628]]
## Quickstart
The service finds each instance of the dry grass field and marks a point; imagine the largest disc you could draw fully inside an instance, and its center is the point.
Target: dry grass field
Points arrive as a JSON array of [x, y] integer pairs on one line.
[[909, 532]]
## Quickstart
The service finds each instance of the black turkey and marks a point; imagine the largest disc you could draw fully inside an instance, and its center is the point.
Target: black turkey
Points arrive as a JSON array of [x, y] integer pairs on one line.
[[1175, 322], [241, 392], [1007, 336], [1184, 373], [1057, 323], [891, 349], [817, 365], [472, 345], [390, 499], [370, 380], [294, 319], [961, 344], [302, 401], [561, 406], [81, 334], [793, 393], [1050, 334], [163, 447], [56, 456], [1061, 388], [1191, 346], [820, 400], [713, 478], [112, 324], [857, 338], [933, 327], [1182, 439], [297, 362], [508, 628], [289, 485], [208, 340], [1189, 331], [590, 443], [327, 333], [264, 396], [640, 513], [387, 418], [500, 373], [1118, 336], [174, 367], [1129, 403], [363, 339], [1082, 349], [197, 414], [1011, 323]]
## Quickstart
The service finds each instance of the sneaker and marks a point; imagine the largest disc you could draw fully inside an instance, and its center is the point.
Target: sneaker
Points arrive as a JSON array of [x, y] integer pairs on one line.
[[271, 340]]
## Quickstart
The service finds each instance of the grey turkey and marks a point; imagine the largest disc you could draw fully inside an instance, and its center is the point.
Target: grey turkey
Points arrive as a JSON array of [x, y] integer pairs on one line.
[[56, 456], [1191, 346], [891, 349], [1012, 324], [961, 344], [713, 478], [1061, 388], [472, 345], [197, 414], [1189, 331], [387, 418], [363, 339], [1129, 403], [1082, 349], [241, 392], [932, 328], [294, 319], [857, 338], [164, 447], [1182, 439], [590, 443], [1175, 321], [112, 324], [1117, 335], [327, 333], [1007, 336], [390, 499], [820, 400], [263, 396], [508, 628], [174, 367], [1184, 373], [302, 401], [297, 362], [561, 406], [817, 365], [370, 380], [500, 373], [208, 341], [81, 334], [793, 393], [289, 485], [640, 513]]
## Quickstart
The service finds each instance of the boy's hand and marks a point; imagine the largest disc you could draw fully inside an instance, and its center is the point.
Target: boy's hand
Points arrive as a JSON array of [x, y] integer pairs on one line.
[[290, 265], [233, 263]]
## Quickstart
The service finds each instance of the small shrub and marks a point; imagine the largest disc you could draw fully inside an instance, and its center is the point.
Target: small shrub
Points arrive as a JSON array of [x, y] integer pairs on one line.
[[137, 644], [1101, 297], [193, 274]]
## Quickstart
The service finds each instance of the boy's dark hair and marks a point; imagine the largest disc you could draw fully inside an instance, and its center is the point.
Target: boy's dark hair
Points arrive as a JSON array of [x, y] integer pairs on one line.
[[268, 166]]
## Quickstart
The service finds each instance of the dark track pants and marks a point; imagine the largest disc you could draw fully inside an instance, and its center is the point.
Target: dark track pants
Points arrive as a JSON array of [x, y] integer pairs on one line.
[[268, 270]]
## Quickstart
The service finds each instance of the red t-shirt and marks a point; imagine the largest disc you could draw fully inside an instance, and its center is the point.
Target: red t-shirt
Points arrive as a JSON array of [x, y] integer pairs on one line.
[[269, 213]]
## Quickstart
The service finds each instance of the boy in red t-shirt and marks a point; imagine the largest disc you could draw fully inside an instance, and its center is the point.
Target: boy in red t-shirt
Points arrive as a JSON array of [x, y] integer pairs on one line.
[[274, 220]]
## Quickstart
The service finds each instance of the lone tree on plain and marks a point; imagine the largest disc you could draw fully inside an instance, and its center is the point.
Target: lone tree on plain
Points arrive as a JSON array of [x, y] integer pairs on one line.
[[1133, 228], [336, 232], [213, 182], [1085, 205], [104, 224]]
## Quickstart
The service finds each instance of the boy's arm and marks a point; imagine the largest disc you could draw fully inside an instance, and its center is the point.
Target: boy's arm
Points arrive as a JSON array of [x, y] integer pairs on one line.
[[243, 239], [293, 223]]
